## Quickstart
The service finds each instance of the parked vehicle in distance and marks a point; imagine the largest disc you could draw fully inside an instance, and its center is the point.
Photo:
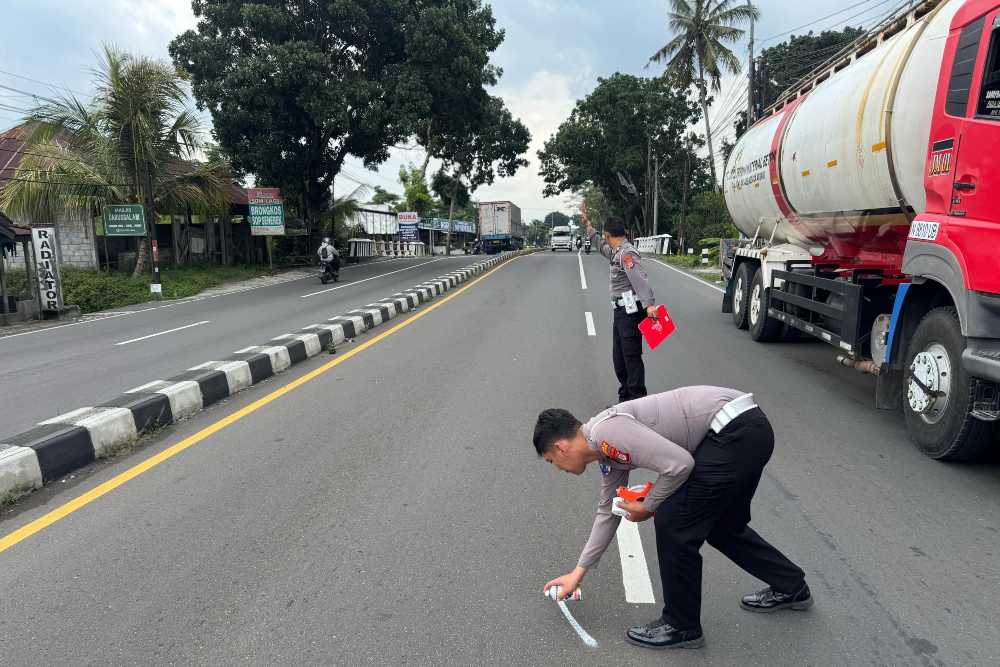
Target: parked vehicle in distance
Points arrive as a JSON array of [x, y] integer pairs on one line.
[[500, 227]]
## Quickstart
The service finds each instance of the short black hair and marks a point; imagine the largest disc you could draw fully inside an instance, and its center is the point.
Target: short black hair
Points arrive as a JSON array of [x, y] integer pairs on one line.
[[554, 424], [615, 226]]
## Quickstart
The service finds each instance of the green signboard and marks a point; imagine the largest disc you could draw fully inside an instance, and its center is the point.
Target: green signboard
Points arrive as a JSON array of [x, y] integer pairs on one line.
[[124, 220], [267, 215]]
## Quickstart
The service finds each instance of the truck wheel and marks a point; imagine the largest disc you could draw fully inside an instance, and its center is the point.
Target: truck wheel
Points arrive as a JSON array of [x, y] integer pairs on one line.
[[763, 327], [940, 423], [741, 291]]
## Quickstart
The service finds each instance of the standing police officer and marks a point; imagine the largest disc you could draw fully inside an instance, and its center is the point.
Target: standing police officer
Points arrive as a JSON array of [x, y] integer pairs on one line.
[[632, 301]]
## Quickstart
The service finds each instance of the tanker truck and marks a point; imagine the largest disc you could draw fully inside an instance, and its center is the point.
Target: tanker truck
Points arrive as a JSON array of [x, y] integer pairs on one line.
[[868, 200]]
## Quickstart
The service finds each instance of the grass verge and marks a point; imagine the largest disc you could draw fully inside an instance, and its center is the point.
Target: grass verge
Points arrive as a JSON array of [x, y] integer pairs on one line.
[[94, 290]]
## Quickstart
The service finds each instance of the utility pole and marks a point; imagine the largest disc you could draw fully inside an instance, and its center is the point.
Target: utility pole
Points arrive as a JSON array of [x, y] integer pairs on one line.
[[656, 195], [750, 72], [684, 194]]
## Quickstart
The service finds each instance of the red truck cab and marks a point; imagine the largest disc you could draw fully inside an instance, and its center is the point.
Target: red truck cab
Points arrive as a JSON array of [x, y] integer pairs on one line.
[[946, 321]]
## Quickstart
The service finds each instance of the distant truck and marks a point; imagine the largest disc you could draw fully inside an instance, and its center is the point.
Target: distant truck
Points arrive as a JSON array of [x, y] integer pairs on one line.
[[869, 195], [562, 239], [500, 226]]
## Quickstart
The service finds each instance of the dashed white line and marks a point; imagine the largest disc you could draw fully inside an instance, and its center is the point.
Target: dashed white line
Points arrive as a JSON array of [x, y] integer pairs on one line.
[[591, 330], [162, 333], [635, 572], [688, 275], [583, 277], [364, 280]]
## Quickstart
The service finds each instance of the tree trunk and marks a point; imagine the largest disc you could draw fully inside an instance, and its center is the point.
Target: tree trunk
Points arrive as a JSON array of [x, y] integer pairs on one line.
[[427, 149], [149, 207], [703, 97], [451, 216]]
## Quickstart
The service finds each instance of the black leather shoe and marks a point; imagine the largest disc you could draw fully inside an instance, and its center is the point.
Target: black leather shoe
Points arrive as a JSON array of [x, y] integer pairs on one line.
[[660, 634], [769, 600]]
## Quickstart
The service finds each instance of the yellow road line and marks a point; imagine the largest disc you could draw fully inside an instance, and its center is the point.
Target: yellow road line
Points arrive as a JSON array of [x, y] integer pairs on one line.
[[42, 522]]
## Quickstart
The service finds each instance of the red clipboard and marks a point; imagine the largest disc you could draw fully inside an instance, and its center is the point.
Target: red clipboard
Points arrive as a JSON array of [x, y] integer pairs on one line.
[[658, 330]]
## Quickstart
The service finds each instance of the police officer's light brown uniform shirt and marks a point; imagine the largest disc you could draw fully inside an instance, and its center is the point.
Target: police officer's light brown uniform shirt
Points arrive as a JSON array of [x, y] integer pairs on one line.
[[626, 271], [658, 433]]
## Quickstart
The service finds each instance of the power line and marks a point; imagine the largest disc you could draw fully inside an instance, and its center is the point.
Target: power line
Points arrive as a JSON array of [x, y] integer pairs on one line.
[[44, 83], [815, 21]]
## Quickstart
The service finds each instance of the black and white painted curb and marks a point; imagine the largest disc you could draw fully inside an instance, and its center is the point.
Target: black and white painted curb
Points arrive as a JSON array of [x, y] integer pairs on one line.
[[65, 443]]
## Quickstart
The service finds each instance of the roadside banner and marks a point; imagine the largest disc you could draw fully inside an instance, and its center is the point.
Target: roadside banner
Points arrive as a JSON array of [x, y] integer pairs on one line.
[[267, 212]]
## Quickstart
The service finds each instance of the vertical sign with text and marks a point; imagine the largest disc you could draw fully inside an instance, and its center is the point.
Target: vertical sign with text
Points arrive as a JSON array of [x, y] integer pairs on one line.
[[49, 286], [408, 226], [267, 213]]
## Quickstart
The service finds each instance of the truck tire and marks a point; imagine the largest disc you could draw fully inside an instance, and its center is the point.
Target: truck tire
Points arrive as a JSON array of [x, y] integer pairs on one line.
[[741, 292], [763, 327], [942, 426]]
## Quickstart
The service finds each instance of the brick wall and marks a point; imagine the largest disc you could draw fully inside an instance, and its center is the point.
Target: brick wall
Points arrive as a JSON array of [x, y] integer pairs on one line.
[[76, 241]]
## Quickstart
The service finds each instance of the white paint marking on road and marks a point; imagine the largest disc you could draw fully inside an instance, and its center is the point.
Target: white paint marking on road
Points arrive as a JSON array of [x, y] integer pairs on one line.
[[688, 275], [581, 633], [591, 330], [364, 280], [635, 572], [161, 333], [583, 277]]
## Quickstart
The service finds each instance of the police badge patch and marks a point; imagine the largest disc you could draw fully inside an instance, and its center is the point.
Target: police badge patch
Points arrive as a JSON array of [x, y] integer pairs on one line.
[[614, 454]]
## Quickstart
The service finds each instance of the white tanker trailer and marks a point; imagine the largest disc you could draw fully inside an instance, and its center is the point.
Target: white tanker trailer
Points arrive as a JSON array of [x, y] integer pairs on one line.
[[869, 196]]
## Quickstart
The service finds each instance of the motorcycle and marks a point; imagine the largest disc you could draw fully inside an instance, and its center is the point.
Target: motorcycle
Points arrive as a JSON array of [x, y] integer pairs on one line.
[[331, 271], [586, 246]]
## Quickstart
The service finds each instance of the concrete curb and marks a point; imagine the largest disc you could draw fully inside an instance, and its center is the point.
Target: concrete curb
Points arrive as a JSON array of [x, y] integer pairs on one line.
[[60, 445]]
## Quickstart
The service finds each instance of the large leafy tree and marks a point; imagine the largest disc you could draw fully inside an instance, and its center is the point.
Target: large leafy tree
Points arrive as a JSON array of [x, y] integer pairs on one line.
[[613, 137], [698, 54], [132, 143], [487, 144], [295, 87], [782, 65]]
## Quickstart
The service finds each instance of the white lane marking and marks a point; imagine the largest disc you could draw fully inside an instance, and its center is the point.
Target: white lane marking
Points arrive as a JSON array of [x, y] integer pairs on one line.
[[688, 275], [178, 302], [583, 277], [581, 633], [161, 333], [591, 331], [635, 572], [364, 280]]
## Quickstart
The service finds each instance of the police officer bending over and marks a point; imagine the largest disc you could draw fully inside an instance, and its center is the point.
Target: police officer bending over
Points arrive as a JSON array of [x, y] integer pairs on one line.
[[632, 301], [709, 446]]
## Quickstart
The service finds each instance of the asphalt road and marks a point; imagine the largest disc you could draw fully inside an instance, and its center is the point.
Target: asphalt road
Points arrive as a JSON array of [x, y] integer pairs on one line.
[[49, 372], [391, 510]]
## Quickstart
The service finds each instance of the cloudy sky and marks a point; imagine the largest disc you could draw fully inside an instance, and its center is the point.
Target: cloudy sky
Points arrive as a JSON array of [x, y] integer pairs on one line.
[[554, 52]]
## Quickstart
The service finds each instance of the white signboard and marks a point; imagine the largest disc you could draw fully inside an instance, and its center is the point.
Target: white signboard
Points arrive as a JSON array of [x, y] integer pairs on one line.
[[409, 217], [49, 285]]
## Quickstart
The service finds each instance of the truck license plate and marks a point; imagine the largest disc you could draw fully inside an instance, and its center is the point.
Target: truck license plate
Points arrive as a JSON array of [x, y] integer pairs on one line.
[[924, 231]]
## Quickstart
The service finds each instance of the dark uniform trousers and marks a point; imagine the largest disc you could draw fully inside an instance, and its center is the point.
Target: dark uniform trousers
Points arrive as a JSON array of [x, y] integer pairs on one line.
[[626, 350], [713, 505]]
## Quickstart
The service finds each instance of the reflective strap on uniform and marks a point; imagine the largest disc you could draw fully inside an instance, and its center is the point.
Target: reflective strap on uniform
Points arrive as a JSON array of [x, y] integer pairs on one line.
[[611, 413], [731, 411]]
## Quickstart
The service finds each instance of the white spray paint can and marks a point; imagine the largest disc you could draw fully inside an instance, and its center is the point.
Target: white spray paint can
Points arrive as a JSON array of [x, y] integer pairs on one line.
[[555, 592]]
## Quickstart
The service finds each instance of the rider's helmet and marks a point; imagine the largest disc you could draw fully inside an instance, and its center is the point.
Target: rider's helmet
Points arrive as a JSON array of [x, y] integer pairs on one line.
[[326, 239]]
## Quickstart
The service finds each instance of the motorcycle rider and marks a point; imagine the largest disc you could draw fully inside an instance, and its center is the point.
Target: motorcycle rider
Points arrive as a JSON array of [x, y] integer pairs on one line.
[[329, 258]]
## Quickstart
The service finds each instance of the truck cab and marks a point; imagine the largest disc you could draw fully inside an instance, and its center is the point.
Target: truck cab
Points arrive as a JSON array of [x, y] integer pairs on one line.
[[562, 239]]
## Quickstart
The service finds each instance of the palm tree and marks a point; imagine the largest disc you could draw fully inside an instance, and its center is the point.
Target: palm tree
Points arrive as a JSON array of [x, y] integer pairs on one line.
[[340, 210], [134, 142], [697, 54]]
